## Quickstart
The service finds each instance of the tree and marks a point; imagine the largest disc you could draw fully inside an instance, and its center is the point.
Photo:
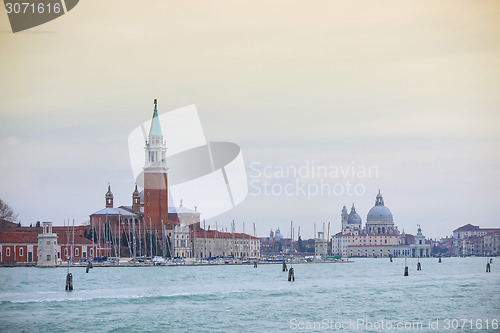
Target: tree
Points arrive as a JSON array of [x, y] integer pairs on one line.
[[6, 212]]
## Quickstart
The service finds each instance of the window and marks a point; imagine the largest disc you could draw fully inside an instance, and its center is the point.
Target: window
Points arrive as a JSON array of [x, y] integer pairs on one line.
[[77, 252], [8, 252], [48, 257], [21, 252], [48, 242], [91, 252], [66, 252]]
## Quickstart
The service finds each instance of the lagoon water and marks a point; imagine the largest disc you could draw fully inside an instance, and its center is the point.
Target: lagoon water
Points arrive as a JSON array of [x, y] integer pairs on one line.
[[369, 295]]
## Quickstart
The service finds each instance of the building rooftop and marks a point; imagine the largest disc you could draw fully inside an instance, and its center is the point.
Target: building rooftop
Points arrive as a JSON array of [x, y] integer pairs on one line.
[[113, 211]]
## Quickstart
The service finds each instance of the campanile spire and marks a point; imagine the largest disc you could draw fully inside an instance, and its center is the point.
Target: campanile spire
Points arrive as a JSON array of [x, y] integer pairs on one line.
[[155, 175]]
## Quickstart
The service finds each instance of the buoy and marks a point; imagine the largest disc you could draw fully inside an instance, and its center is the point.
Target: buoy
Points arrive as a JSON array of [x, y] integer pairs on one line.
[[284, 267], [419, 267], [291, 275], [69, 282], [255, 264], [488, 268]]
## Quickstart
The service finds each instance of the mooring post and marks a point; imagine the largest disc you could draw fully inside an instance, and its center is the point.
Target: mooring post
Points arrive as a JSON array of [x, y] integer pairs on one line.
[[406, 269], [488, 268], [291, 275], [439, 260], [391, 259], [284, 267], [69, 281], [419, 266], [255, 264]]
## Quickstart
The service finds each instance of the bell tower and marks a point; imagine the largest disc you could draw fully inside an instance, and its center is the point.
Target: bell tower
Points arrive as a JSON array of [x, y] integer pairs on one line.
[[136, 200], [109, 198], [155, 176], [343, 219]]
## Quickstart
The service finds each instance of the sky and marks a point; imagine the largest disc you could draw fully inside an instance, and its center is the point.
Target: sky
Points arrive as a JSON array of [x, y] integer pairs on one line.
[[407, 89]]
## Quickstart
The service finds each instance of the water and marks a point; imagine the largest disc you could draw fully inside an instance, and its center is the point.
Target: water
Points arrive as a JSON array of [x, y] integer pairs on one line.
[[245, 299]]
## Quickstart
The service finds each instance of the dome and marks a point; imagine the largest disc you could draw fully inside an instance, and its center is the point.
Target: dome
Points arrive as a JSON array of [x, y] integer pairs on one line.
[[109, 194], [353, 217], [379, 212]]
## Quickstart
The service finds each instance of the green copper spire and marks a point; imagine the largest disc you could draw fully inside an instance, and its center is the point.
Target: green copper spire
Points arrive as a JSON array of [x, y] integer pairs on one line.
[[155, 124]]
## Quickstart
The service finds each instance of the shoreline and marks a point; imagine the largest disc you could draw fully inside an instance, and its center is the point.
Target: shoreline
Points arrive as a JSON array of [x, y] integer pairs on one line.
[[96, 265]]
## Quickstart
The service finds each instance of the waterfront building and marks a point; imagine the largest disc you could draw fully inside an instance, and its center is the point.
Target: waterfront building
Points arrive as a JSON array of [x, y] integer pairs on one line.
[[320, 245], [28, 245], [213, 243], [472, 240], [491, 243], [379, 238], [47, 246], [275, 243]]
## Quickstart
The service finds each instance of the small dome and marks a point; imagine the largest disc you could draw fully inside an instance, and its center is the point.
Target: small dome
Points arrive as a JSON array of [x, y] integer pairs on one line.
[[136, 192], [109, 194], [353, 217]]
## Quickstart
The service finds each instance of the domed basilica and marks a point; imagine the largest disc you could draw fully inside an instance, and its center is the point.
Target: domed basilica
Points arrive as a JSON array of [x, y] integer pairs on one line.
[[378, 221], [379, 238]]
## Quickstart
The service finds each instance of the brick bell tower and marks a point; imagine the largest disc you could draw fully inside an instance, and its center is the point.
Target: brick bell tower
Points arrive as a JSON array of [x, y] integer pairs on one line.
[[155, 176]]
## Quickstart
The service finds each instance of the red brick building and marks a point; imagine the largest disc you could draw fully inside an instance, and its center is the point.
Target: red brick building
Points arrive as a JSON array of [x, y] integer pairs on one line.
[[20, 244]]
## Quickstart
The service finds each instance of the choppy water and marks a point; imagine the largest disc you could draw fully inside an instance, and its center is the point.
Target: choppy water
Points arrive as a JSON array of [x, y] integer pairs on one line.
[[245, 299]]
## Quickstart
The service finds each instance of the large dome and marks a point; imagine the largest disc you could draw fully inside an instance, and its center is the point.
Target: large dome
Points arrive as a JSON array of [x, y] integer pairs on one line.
[[379, 212]]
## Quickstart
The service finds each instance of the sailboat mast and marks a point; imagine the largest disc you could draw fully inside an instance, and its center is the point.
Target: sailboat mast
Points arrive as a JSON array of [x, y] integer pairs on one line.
[[150, 238], [119, 235], [73, 244], [328, 239]]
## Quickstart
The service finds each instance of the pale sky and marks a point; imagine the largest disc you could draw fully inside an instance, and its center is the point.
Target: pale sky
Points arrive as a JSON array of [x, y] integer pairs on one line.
[[409, 87]]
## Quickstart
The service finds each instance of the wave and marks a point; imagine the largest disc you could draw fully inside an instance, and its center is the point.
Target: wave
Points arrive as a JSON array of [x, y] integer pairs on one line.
[[149, 297]]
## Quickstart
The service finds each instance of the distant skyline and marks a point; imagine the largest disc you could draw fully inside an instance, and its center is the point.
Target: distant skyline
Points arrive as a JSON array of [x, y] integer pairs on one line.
[[409, 89]]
